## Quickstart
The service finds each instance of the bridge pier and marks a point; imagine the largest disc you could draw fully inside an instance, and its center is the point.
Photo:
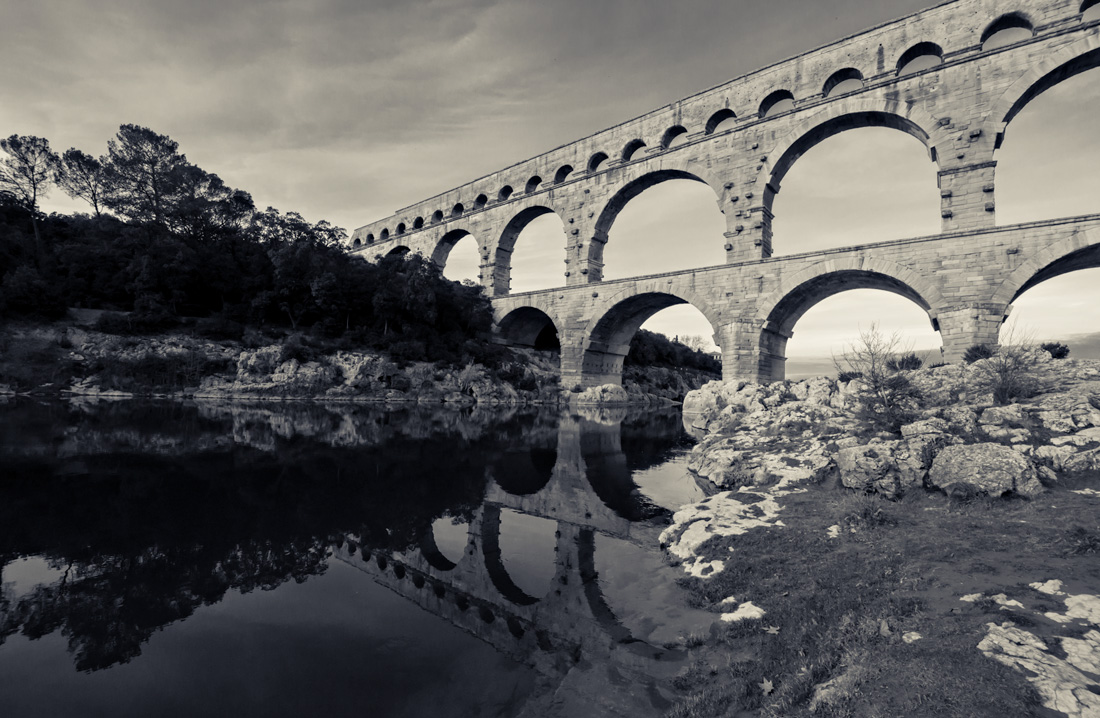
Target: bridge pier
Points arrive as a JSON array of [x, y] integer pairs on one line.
[[966, 197], [964, 325]]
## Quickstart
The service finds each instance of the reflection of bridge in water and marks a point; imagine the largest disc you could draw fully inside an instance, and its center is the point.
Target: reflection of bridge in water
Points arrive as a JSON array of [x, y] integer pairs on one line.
[[571, 632]]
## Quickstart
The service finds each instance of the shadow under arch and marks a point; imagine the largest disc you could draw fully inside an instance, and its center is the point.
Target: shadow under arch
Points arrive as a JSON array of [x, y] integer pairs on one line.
[[779, 311], [1067, 62], [629, 191], [610, 474], [399, 251], [528, 327], [1080, 251], [523, 472], [445, 244], [616, 322], [494, 560], [506, 244]]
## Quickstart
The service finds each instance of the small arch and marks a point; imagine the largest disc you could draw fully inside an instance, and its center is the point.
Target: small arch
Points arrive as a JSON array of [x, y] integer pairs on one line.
[[505, 192], [1090, 11], [921, 56], [533, 184], [562, 173], [527, 327], [446, 243], [596, 160], [418, 223], [480, 201], [719, 118], [437, 216], [631, 149], [1006, 30], [384, 234], [399, 251], [357, 242], [671, 135], [370, 239], [777, 102], [843, 81], [457, 210], [401, 228]]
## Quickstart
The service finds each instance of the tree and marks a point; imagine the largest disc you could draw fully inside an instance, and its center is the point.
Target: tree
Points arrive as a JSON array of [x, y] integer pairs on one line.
[[82, 176], [888, 399], [145, 174], [26, 173]]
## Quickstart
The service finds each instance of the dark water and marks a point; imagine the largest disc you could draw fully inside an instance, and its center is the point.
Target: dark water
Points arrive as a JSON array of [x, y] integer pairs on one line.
[[287, 560]]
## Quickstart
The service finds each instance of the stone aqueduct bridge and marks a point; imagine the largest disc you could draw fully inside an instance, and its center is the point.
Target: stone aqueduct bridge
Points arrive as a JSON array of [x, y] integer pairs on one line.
[[934, 75]]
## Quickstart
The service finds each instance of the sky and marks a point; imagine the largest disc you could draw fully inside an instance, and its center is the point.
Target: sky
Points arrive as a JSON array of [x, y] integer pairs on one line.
[[348, 110]]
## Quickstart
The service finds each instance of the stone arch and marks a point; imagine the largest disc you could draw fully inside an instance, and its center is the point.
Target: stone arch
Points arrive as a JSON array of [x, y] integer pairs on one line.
[[370, 239], [773, 100], [562, 173], [616, 320], [480, 201], [630, 149], [502, 253], [401, 228], [384, 234], [418, 223], [629, 191], [671, 134], [398, 251], [1008, 21], [431, 553], [718, 118], [596, 160], [921, 49], [845, 75], [494, 560], [533, 184], [779, 311], [1078, 251], [457, 210], [445, 244], [848, 114], [505, 192], [1061, 65], [524, 327], [437, 216], [356, 242]]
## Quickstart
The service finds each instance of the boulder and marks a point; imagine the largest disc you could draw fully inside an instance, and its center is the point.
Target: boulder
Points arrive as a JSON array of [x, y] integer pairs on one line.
[[873, 468], [987, 468]]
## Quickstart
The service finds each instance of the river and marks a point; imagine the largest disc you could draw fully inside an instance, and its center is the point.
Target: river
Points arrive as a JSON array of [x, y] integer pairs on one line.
[[180, 559]]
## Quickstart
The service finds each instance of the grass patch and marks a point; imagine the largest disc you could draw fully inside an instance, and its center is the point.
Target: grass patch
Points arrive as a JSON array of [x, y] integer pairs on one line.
[[831, 642]]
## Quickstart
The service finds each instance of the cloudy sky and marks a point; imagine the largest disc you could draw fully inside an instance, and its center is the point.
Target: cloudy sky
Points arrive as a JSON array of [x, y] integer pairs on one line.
[[348, 110]]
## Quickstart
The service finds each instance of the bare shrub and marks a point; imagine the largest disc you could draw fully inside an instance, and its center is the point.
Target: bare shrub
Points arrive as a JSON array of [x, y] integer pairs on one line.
[[1009, 374], [888, 399]]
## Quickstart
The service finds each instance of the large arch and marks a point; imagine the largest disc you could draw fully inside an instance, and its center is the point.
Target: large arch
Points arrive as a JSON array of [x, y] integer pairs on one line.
[[506, 244], [1079, 251], [629, 191], [617, 319], [779, 311], [1061, 65]]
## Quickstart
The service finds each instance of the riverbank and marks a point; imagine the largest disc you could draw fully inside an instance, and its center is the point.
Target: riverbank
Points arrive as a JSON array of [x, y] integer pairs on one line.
[[948, 567], [68, 359]]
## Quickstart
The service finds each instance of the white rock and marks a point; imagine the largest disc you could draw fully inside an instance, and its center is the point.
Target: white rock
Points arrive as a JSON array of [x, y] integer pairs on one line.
[[1053, 587], [745, 611], [911, 637]]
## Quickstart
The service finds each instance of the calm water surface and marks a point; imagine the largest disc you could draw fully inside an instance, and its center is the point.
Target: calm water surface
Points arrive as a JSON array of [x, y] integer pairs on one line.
[[287, 560]]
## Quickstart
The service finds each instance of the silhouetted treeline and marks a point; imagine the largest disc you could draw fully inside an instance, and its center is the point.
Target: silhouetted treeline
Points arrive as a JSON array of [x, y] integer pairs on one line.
[[171, 244], [651, 349]]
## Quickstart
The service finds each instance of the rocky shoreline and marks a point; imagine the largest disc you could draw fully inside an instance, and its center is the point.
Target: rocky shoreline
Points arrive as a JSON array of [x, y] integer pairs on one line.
[[76, 361]]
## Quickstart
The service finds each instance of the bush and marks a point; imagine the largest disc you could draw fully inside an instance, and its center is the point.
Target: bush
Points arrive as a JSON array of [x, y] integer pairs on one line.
[[977, 352], [1008, 373], [1057, 350], [888, 398], [846, 376], [295, 347], [905, 362]]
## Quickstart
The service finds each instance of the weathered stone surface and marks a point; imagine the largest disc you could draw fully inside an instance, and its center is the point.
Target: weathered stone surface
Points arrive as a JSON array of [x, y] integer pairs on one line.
[[872, 468], [990, 469]]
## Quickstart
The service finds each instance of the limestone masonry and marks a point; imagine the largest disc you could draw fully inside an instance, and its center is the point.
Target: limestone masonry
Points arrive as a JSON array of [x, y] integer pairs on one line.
[[931, 74]]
